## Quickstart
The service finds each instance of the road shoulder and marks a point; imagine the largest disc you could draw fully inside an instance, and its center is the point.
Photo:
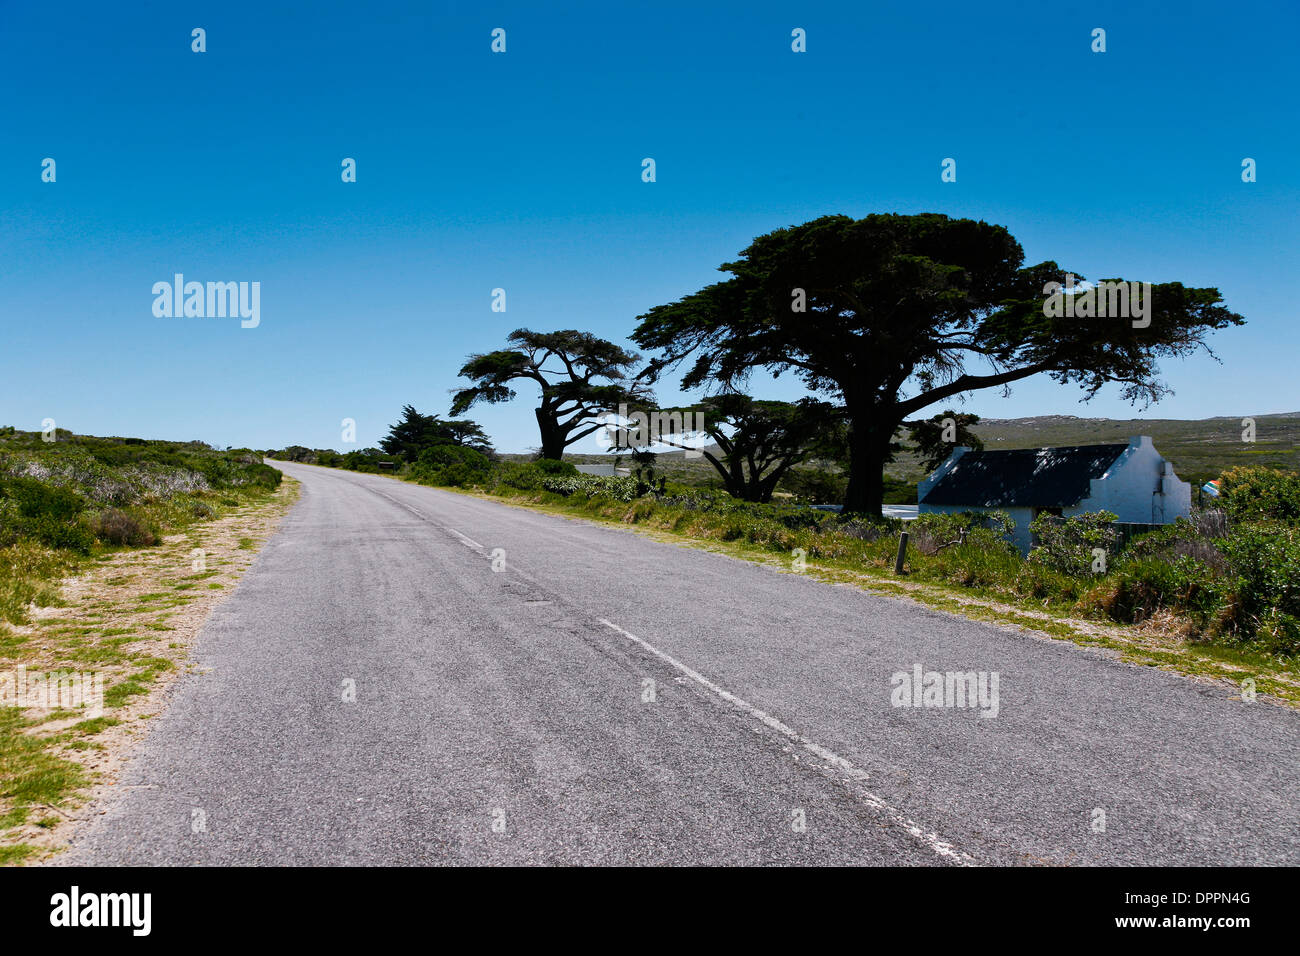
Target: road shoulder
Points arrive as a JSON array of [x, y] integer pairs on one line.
[[131, 618]]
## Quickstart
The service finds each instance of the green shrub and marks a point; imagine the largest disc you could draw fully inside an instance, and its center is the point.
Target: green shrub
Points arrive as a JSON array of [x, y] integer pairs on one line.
[[443, 456], [554, 467], [1261, 494], [57, 533], [979, 563], [451, 466], [524, 477], [1278, 633], [618, 488], [458, 475], [1197, 538], [1067, 545], [43, 512], [368, 460], [934, 531], [798, 518], [1265, 562], [263, 475], [1141, 586], [867, 528], [1036, 582], [37, 498]]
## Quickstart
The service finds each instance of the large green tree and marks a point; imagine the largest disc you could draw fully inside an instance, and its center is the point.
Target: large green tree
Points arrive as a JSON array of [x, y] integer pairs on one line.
[[891, 313], [586, 377]]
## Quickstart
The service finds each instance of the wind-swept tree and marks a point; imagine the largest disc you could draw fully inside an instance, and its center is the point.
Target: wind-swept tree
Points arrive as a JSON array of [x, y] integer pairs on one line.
[[416, 432], [585, 378], [890, 314], [756, 441]]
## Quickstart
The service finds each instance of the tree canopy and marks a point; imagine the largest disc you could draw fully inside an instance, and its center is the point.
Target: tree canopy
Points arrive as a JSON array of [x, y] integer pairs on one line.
[[934, 438], [587, 377], [416, 432], [891, 313], [757, 441]]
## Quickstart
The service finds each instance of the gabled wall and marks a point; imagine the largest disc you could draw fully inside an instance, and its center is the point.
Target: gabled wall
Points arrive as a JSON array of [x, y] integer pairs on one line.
[[1141, 486]]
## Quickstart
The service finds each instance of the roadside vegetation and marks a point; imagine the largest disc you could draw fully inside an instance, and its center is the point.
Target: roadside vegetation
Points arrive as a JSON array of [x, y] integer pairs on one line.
[[71, 506]]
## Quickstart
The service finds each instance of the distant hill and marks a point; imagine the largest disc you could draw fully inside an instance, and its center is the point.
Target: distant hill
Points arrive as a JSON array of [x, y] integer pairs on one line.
[[1200, 449]]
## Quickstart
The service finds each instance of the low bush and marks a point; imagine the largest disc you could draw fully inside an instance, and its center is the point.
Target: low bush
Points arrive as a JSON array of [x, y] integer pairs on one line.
[[1069, 545], [554, 467], [616, 487], [865, 529], [1142, 586], [934, 531], [371, 461], [1197, 538], [457, 475], [73, 535], [979, 563], [43, 512], [451, 466], [35, 498], [120, 528], [1265, 563]]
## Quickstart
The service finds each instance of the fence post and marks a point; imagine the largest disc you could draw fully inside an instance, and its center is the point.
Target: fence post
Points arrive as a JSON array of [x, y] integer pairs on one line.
[[902, 553]]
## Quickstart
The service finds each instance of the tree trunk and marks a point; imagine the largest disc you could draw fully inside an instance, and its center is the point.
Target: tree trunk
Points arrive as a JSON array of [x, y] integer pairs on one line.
[[869, 440], [552, 436]]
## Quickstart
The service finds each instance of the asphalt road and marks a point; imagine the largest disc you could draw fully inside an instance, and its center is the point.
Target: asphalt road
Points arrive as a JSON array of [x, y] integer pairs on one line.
[[507, 716]]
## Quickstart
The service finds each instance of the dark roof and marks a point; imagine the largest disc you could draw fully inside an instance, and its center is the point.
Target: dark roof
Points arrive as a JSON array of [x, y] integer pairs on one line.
[[1028, 477]]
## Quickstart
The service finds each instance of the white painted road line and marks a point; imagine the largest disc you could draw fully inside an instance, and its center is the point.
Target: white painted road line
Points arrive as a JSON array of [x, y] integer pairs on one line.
[[859, 776]]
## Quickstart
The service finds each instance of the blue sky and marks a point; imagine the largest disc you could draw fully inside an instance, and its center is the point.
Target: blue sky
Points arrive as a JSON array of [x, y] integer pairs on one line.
[[522, 171]]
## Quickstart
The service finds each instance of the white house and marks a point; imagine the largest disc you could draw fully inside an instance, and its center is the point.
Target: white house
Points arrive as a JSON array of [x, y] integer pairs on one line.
[[1133, 481]]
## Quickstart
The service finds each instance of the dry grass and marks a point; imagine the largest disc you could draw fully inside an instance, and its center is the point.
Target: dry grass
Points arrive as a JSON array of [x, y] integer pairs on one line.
[[132, 616]]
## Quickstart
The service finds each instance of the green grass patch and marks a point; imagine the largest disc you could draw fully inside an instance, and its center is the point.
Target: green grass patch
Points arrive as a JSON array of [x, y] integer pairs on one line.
[[29, 773], [94, 725], [15, 853]]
